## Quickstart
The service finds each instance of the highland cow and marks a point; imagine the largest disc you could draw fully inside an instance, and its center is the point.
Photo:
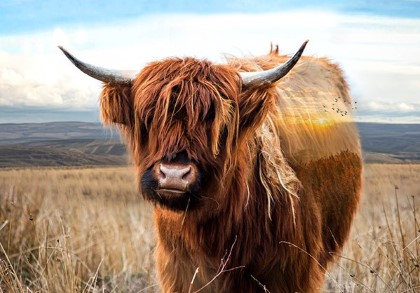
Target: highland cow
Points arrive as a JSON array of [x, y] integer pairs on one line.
[[254, 167]]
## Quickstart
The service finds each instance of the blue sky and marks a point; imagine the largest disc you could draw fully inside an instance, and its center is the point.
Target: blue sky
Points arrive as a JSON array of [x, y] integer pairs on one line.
[[23, 15], [377, 43]]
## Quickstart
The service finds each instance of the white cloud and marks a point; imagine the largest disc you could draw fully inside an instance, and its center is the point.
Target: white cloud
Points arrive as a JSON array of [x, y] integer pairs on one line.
[[404, 107], [38, 80], [386, 107], [380, 56]]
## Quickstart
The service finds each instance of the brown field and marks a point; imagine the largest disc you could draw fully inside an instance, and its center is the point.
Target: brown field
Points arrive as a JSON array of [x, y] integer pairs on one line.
[[87, 230]]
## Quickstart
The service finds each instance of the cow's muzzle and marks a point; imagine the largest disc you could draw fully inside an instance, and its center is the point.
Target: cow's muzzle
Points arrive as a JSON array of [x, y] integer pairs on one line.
[[174, 179]]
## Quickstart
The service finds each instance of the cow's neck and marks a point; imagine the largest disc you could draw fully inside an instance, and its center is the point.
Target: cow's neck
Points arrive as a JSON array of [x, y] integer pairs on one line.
[[226, 225]]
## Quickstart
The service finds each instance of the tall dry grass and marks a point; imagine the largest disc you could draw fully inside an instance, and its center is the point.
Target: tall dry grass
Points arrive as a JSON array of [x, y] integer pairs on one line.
[[87, 230], [382, 254], [74, 230]]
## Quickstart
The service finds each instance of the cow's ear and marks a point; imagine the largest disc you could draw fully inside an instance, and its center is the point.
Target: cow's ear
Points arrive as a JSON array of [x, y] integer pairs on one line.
[[116, 103], [254, 105]]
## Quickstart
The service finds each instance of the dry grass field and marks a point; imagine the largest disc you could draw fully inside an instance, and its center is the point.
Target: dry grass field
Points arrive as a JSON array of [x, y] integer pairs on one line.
[[383, 251], [87, 230]]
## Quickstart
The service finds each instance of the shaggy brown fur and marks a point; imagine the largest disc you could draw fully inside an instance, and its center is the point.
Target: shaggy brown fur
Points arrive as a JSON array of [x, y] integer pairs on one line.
[[285, 175]]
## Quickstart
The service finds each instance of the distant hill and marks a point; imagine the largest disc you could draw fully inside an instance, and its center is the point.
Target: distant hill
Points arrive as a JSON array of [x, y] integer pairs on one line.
[[60, 144], [26, 132], [390, 143], [90, 144]]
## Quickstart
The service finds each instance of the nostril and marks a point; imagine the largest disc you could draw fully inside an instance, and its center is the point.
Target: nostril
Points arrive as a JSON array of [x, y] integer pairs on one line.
[[187, 173], [161, 173]]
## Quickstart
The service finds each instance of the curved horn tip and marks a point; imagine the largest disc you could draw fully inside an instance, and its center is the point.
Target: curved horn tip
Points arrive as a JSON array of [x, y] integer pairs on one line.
[[67, 53], [62, 49], [270, 76], [303, 46], [99, 73]]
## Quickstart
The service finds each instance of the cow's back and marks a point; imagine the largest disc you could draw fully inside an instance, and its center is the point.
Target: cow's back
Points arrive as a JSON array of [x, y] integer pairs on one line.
[[311, 138], [321, 143]]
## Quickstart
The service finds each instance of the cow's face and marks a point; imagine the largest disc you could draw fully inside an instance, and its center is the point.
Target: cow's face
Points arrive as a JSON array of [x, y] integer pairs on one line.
[[185, 121], [185, 124]]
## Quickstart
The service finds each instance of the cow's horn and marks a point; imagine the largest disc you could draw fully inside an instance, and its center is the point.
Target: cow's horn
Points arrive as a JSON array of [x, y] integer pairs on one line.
[[99, 73], [267, 77]]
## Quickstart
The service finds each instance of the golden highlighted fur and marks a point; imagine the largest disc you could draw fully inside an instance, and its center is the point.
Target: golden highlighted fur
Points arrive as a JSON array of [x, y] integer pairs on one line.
[[284, 170]]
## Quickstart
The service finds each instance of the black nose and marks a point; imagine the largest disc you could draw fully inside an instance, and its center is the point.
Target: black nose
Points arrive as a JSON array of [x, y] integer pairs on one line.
[[175, 176]]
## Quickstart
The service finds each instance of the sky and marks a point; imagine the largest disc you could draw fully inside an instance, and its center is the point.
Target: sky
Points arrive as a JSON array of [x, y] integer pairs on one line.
[[376, 42]]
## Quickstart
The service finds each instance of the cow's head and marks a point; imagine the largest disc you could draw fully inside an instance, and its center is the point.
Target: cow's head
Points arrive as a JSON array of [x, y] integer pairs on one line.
[[184, 121]]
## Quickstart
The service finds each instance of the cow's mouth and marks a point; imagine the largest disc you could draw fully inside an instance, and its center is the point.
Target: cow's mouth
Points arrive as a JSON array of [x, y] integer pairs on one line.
[[176, 199], [171, 192]]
